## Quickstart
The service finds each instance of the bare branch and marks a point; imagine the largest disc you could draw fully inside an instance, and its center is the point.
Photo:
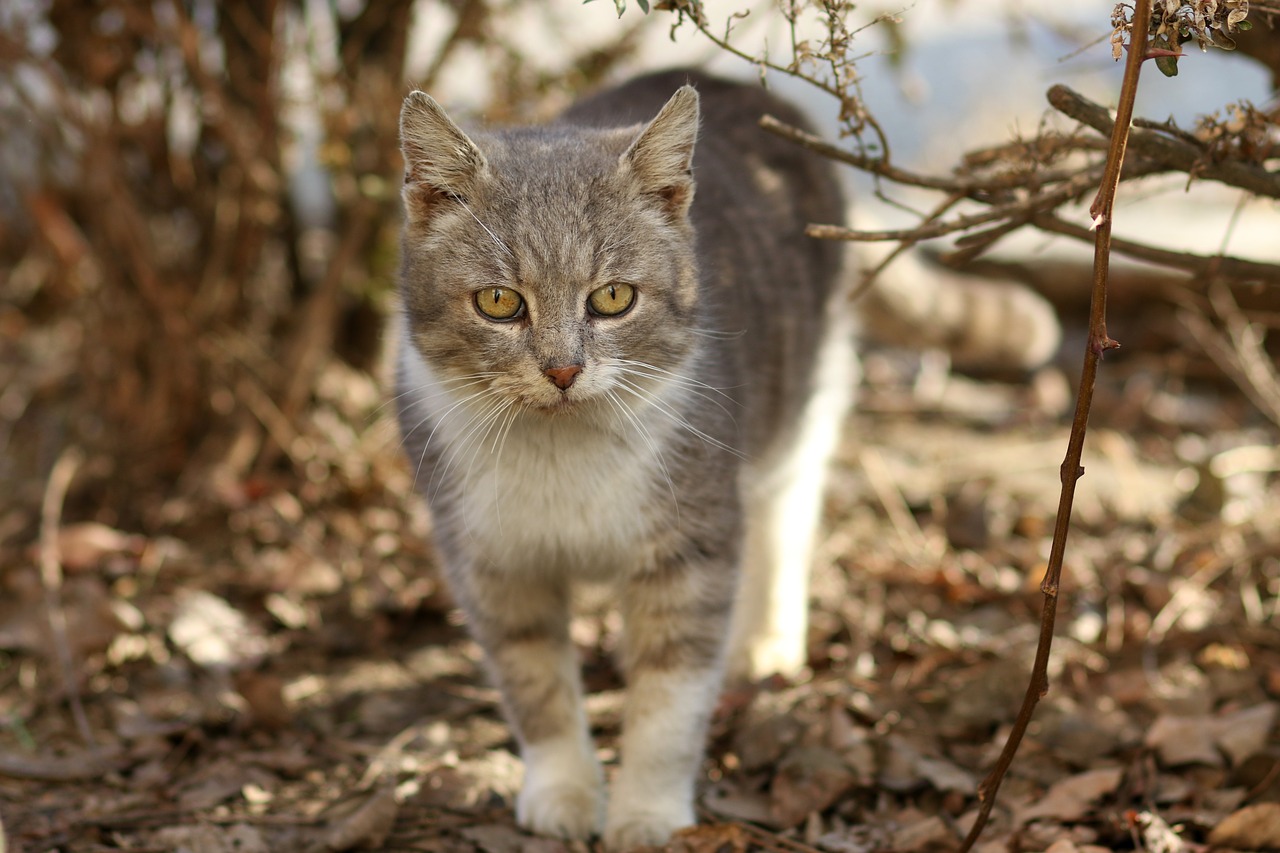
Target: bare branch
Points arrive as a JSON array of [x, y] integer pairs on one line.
[[1098, 343], [1175, 151], [1225, 266]]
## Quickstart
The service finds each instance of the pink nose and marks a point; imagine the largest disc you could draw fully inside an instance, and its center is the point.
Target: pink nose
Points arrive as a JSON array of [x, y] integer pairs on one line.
[[563, 376]]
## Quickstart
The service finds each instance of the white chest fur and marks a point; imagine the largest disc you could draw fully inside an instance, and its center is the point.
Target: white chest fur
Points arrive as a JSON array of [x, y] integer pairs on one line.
[[546, 492]]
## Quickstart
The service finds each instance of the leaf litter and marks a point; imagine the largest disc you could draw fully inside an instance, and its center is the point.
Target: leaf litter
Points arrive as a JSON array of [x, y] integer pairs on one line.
[[282, 669]]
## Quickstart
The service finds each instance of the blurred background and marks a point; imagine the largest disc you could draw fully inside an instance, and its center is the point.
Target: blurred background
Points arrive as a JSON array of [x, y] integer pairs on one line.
[[217, 596], [199, 201]]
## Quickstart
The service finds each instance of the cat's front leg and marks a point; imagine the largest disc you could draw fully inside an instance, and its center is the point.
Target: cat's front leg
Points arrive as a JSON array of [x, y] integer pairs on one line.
[[676, 620], [522, 623]]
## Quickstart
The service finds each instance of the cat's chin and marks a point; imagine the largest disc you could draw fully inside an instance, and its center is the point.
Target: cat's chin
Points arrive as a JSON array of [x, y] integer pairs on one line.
[[560, 406]]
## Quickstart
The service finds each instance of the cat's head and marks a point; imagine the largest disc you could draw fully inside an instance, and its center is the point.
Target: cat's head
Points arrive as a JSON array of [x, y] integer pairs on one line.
[[553, 265]]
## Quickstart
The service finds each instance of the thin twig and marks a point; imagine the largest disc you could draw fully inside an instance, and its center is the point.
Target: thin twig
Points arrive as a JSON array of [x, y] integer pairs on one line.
[[1225, 266], [766, 838], [939, 228], [883, 168], [869, 276], [1071, 471], [862, 116], [64, 768], [55, 492], [1241, 352]]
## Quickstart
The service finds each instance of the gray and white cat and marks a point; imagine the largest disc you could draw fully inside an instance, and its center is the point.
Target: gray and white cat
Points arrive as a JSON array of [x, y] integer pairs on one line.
[[623, 361]]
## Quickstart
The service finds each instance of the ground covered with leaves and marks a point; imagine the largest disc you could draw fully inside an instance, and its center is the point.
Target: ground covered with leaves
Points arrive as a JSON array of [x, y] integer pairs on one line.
[[271, 664]]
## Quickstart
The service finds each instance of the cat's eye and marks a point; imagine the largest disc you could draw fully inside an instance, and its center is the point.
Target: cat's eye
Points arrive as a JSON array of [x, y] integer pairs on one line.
[[500, 303], [611, 300]]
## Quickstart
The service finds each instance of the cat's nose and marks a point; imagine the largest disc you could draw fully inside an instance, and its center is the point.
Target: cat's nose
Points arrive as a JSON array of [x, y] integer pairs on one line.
[[563, 376]]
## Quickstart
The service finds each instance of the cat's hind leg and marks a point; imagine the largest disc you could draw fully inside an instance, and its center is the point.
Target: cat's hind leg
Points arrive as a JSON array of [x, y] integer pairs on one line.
[[783, 501]]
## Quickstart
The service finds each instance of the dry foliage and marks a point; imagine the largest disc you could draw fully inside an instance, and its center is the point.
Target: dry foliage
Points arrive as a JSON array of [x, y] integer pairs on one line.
[[219, 627]]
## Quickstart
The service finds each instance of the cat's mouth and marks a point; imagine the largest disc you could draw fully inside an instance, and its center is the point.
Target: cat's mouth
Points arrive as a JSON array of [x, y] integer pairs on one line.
[[561, 404]]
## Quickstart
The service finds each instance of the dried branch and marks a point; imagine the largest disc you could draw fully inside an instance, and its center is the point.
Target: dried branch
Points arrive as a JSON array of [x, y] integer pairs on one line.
[[1022, 209], [1173, 149], [1240, 352], [1071, 471], [1226, 266], [882, 168], [55, 492], [1018, 196], [835, 54]]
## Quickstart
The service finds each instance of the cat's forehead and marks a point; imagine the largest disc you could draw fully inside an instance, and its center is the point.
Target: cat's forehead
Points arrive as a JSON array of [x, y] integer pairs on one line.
[[555, 199], [556, 156]]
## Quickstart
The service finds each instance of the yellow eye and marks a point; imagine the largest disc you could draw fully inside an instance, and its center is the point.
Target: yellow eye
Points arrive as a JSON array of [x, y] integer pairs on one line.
[[500, 303], [611, 300]]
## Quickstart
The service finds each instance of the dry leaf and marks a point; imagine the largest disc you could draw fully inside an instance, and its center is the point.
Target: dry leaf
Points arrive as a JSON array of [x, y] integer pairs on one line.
[[1243, 734], [1074, 797], [932, 833], [88, 544], [263, 693], [214, 634], [809, 779], [69, 768], [945, 776], [1203, 740], [710, 838], [1183, 740], [369, 825], [210, 838], [495, 838], [730, 799], [1255, 827]]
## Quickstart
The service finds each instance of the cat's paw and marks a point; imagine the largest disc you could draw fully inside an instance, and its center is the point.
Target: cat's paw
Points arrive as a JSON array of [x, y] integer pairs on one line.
[[651, 826], [764, 655], [565, 810]]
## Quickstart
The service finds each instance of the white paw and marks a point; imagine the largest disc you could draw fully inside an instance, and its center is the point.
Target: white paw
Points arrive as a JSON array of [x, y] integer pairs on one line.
[[564, 809], [764, 655], [649, 826]]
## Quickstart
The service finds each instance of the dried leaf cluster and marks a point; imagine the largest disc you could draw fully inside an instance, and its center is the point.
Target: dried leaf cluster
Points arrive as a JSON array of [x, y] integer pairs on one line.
[[1208, 22], [1245, 133], [827, 61]]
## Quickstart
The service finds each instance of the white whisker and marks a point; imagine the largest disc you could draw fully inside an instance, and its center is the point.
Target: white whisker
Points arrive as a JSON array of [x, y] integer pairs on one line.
[[716, 334], [440, 420], [460, 444], [622, 408], [693, 386], [417, 392], [494, 237], [500, 442], [675, 417]]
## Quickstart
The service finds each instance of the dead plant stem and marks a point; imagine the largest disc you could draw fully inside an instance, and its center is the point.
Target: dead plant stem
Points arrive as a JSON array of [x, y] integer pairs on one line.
[[1098, 343], [55, 492]]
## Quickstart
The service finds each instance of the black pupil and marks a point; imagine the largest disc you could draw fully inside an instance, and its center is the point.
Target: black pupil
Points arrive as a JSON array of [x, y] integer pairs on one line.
[[613, 292], [497, 296]]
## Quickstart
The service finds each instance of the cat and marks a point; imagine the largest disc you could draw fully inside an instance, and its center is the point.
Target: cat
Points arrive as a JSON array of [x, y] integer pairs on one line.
[[623, 361]]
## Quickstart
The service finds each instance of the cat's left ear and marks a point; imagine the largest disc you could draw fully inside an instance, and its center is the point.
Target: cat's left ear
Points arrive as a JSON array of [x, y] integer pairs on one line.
[[661, 158]]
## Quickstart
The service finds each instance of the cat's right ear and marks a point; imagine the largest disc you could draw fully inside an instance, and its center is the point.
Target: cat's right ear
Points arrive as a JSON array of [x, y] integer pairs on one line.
[[441, 164]]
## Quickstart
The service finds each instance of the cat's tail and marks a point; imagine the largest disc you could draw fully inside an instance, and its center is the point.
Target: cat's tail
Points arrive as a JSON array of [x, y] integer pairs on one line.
[[982, 323]]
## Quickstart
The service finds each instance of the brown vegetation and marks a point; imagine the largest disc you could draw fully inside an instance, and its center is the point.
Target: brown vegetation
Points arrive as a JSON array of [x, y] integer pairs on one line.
[[218, 624]]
